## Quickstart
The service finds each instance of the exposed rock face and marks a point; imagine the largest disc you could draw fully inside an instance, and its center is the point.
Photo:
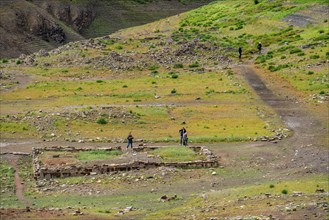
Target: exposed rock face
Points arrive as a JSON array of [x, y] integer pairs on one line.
[[77, 16], [38, 25], [28, 26]]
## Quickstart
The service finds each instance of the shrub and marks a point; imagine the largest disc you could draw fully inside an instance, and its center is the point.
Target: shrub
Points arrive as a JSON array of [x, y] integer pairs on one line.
[[301, 54], [256, 2], [124, 86], [4, 60], [284, 191], [174, 76], [271, 186], [99, 81], [153, 67], [102, 121], [310, 73], [327, 55], [295, 50], [315, 56], [194, 65], [18, 62], [277, 68], [283, 57], [178, 65], [173, 91]]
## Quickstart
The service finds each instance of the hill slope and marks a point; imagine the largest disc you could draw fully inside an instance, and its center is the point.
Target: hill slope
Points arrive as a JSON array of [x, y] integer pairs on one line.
[[264, 115], [28, 26]]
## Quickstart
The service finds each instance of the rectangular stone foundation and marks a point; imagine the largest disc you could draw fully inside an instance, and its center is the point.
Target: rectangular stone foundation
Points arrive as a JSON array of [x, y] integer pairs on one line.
[[41, 172]]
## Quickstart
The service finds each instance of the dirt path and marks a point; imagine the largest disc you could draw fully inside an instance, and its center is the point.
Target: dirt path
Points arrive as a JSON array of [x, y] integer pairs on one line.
[[308, 144], [19, 187]]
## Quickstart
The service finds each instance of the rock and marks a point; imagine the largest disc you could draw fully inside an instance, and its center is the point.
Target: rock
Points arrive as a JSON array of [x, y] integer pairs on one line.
[[319, 190], [213, 173], [164, 198]]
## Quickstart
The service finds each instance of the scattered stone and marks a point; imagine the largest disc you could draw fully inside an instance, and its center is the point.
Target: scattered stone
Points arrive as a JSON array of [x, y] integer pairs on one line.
[[319, 190]]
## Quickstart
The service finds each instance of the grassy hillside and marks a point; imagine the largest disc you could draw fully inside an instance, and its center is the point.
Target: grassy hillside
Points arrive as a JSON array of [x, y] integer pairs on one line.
[[152, 80], [140, 79]]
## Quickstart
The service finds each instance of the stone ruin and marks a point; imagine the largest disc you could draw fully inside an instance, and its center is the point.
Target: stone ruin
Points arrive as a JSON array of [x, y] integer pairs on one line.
[[43, 172]]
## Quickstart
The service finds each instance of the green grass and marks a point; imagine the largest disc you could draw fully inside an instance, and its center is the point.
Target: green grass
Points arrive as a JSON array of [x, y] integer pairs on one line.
[[176, 154], [97, 155]]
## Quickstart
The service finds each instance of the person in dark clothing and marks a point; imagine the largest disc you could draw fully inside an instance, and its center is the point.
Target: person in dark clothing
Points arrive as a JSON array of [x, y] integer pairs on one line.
[[185, 139], [182, 132], [130, 140], [259, 47], [240, 52]]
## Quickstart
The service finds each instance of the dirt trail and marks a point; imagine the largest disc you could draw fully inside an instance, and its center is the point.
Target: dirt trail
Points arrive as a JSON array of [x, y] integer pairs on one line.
[[310, 135], [19, 187]]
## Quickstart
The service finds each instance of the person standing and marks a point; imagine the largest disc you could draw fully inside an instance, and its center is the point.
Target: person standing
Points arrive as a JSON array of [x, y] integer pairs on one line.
[[182, 132], [130, 140], [259, 47], [240, 52], [185, 138]]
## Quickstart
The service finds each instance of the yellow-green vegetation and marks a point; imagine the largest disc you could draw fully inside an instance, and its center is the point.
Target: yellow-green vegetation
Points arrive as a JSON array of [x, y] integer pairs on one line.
[[97, 155], [246, 199], [224, 110], [176, 154], [7, 185], [293, 52], [69, 158]]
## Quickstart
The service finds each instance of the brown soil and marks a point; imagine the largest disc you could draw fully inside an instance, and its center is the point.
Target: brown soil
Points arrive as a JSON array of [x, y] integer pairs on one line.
[[19, 187]]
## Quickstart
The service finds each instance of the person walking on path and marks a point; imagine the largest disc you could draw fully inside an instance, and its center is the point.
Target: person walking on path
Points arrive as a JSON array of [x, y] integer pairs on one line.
[[259, 47], [182, 132], [185, 139], [240, 52], [130, 140]]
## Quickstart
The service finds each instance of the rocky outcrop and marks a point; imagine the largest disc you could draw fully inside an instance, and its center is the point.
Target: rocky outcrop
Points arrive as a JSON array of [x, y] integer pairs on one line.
[[28, 26], [77, 16], [40, 26]]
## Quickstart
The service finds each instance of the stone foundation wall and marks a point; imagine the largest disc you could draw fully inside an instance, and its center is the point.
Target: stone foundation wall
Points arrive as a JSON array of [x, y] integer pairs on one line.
[[41, 172]]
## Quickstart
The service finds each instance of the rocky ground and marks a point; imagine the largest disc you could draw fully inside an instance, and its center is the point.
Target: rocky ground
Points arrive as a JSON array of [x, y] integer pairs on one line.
[[303, 154]]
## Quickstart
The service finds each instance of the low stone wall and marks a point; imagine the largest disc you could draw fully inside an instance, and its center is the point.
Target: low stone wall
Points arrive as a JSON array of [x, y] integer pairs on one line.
[[41, 172]]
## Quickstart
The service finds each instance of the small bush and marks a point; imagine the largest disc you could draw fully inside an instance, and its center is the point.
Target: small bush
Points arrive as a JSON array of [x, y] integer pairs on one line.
[[173, 91], [277, 68], [256, 2], [327, 55], [4, 60], [154, 73], [315, 56], [271, 186], [124, 86], [153, 67], [284, 191], [119, 47], [99, 81], [295, 50], [283, 57], [301, 54], [174, 76], [102, 121], [18, 62], [194, 65], [178, 65], [310, 73]]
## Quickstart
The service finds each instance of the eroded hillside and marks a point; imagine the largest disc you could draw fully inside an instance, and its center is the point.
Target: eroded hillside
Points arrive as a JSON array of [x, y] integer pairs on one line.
[[28, 26]]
